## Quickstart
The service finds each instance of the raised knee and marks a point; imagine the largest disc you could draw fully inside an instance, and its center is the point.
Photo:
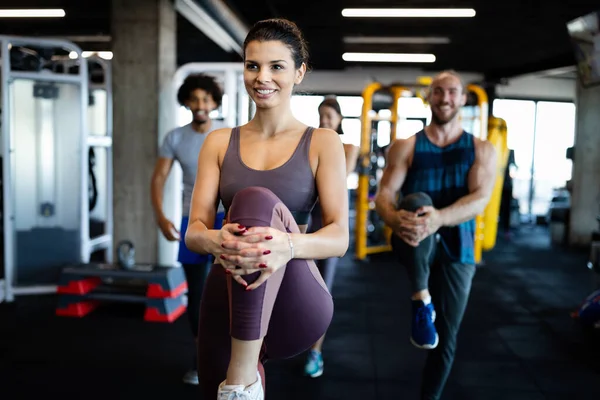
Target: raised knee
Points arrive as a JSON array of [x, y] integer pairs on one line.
[[414, 201], [254, 192], [254, 196]]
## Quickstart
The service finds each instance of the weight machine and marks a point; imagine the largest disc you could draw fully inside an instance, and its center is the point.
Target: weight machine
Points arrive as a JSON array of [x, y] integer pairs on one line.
[[46, 145], [371, 234], [100, 159]]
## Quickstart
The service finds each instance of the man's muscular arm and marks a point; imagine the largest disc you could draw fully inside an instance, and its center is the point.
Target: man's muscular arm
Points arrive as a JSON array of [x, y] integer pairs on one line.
[[403, 223], [481, 180], [391, 181]]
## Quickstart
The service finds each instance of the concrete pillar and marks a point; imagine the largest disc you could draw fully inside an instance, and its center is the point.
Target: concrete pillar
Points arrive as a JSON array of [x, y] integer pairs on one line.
[[585, 199], [144, 62]]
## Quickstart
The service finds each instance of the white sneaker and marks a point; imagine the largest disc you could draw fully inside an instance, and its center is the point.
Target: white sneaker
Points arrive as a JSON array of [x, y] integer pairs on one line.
[[239, 392]]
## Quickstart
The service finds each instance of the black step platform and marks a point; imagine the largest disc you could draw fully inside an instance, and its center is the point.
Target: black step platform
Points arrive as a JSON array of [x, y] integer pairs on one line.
[[84, 287]]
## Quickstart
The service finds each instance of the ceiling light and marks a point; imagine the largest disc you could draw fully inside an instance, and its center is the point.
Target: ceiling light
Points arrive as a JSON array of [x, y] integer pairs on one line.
[[395, 40], [389, 57], [32, 13], [107, 55], [408, 12]]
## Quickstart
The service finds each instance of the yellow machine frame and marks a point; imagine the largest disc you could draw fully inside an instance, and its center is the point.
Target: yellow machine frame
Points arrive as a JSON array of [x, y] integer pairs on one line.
[[491, 128], [482, 103], [498, 136], [363, 205], [495, 131]]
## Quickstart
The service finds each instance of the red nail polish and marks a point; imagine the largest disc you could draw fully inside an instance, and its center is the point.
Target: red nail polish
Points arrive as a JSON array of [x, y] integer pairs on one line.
[[241, 227], [268, 237], [222, 257], [266, 252], [228, 272], [248, 289], [262, 265]]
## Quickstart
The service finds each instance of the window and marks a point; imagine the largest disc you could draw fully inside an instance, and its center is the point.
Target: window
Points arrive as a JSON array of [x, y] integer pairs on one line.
[[306, 109], [554, 133], [383, 133], [352, 131], [408, 127], [539, 133], [413, 114], [520, 121], [351, 105], [413, 107]]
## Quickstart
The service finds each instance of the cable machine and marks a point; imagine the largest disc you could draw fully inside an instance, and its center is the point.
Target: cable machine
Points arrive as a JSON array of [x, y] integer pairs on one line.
[[100, 160], [46, 147]]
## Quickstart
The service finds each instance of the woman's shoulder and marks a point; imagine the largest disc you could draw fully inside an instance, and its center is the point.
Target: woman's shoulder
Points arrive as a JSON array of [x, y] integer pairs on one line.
[[326, 137], [218, 136], [326, 142]]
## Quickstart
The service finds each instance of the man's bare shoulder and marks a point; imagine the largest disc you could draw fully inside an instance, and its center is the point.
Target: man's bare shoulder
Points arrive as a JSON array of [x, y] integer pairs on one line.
[[483, 149], [401, 148]]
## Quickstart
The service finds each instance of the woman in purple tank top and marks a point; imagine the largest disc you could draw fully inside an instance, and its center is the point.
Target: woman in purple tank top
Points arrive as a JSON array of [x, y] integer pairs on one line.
[[264, 297]]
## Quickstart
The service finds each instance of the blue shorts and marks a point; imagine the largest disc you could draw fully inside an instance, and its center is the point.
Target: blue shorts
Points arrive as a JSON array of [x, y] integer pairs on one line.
[[186, 256]]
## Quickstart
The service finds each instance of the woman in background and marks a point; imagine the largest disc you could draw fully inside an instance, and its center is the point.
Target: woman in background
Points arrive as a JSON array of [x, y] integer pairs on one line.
[[330, 117]]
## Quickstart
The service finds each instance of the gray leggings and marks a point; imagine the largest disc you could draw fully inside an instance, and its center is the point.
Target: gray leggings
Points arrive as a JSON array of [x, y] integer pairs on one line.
[[449, 283], [291, 310]]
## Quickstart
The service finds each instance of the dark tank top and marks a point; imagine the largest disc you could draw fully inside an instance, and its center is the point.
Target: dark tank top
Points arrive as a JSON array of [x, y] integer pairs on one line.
[[293, 182]]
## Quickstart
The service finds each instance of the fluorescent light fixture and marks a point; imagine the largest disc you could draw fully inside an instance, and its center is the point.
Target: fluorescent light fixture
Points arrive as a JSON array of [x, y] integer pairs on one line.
[[408, 12], [389, 57], [107, 55], [56, 12], [395, 40]]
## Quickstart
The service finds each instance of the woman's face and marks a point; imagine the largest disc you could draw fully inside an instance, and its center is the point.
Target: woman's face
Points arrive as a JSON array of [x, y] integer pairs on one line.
[[270, 73], [329, 118]]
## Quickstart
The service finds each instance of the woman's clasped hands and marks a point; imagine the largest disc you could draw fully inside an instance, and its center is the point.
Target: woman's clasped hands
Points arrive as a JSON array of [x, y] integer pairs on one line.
[[248, 250]]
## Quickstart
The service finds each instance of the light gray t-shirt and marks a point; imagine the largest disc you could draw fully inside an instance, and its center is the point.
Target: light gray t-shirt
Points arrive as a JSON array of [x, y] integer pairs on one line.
[[183, 144]]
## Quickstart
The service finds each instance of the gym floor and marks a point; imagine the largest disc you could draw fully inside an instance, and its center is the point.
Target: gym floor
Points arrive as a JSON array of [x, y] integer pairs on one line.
[[518, 340]]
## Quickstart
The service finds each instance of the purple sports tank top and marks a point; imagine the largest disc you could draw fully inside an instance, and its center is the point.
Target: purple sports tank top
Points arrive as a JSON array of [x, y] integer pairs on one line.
[[293, 182]]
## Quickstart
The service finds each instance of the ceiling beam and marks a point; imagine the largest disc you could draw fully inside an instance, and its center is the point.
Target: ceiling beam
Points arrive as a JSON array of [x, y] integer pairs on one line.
[[560, 61]]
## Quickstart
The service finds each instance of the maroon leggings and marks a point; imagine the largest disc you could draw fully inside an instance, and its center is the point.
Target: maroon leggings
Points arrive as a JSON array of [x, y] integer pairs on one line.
[[291, 310]]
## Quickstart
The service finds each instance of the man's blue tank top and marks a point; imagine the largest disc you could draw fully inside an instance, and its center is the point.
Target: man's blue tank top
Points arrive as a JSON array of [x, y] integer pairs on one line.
[[442, 173]]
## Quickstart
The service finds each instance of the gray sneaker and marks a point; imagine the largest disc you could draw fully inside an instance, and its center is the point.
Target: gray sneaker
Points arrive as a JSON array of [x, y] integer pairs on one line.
[[191, 377]]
